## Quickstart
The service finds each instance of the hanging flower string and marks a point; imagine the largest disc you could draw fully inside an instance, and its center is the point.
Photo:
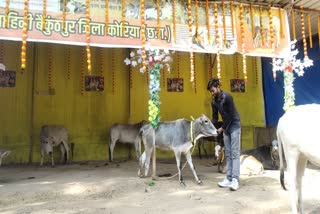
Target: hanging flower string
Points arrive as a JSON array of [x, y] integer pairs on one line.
[[174, 22], [178, 64], [261, 26], [209, 59], [123, 17], [107, 16], [158, 18], [293, 25], [310, 31], [252, 19], [101, 61], [68, 62], [216, 26], [208, 20], [231, 14], [237, 66], [143, 37], [113, 63], [44, 14], [195, 74], [82, 70], [64, 11], [155, 61], [272, 42], [303, 34], [24, 35], [243, 45], [6, 22], [224, 23], [255, 67], [197, 18], [88, 35], [190, 41], [290, 65], [50, 66]]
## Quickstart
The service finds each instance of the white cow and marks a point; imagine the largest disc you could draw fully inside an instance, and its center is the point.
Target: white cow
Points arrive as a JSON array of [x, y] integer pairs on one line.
[[298, 142], [51, 136]]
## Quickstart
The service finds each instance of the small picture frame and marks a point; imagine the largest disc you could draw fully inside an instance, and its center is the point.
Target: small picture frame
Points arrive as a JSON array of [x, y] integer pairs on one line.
[[7, 78], [238, 85], [94, 83], [175, 84]]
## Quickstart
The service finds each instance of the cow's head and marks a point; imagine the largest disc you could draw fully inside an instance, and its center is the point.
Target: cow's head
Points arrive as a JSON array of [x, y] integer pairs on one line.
[[203, 127], [47, 144]]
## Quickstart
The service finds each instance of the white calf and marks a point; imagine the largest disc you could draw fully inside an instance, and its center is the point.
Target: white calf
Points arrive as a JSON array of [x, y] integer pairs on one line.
[[298, 141]]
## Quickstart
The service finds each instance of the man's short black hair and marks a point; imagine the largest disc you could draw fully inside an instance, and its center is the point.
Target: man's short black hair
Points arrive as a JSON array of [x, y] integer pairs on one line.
[[214, 82]]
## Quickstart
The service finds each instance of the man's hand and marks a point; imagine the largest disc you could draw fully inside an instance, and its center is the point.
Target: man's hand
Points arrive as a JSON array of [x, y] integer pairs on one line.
[[220, 130]]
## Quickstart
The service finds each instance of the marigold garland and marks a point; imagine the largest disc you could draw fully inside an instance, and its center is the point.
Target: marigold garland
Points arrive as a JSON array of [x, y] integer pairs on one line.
[[232, 19], [255, 67], [303, 34], [216, 26], [50, 66], [293, 25], [44, 14], [88, 35], [6, 14], [281, 23], [107, 17], [195, 74], [143, 36], [261, 26], [209, 59], [197, 17], [310, 31], [24, 34], [158, 17], [174, 22], [64, 12], [178, 64], [101, 61], [237, 66], [123, 17], [252, 19], [190, 41], [272, 42], [113, 63], [2, 51], [82, 81], [208, 20], [224, 23], [68, 62], [243, 45]]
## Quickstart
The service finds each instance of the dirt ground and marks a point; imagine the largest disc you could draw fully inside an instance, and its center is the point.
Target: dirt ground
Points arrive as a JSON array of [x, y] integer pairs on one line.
[[97, 187]]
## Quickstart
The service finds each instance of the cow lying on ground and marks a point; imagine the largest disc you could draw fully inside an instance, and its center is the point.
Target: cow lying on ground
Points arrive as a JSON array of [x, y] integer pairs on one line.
[[126, 133], [249, 165], [297, 145], [52, 136], [215, 140], [178, 136], [3, 154], [268, 155]]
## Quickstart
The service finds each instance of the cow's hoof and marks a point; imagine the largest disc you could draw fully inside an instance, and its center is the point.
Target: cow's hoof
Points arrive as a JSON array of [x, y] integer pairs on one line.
[[200, 182], [182, 184], [154, 178]]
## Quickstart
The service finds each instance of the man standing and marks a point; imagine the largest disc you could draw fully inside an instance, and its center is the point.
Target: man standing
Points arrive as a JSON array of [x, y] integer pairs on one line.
[[222, 102]]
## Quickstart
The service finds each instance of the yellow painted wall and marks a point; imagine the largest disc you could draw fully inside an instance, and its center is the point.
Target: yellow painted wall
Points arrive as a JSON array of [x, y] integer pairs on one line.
[[88, 117]]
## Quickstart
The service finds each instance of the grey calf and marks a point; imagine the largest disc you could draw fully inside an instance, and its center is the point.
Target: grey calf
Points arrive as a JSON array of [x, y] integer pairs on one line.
[[51, 136], [125, 133], [178, 136]]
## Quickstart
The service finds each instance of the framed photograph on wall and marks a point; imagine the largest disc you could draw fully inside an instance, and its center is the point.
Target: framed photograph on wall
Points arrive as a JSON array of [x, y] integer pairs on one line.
[[237, 85], [175, 84], [7, 78], [94, 83]]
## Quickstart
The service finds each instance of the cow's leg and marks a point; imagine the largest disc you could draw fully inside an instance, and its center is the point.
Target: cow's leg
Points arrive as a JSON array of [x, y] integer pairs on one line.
[[154, 165], [138, 149], [142, 161], [179, 166], [66, 148], [189, 159], [111, 147], [292, 157], [148, 152], [302, 162], [52, 160], [42, 157], [62, 150]]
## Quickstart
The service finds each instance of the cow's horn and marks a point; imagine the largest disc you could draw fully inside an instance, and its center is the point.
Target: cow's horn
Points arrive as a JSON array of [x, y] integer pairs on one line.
[[192, 117]]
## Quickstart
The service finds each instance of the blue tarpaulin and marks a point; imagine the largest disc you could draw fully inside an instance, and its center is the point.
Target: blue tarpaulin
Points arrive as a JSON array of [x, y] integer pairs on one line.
[[307, 87]]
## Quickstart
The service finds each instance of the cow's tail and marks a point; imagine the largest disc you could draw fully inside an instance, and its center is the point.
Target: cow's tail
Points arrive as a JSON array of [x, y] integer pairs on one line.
[[282, 159]]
